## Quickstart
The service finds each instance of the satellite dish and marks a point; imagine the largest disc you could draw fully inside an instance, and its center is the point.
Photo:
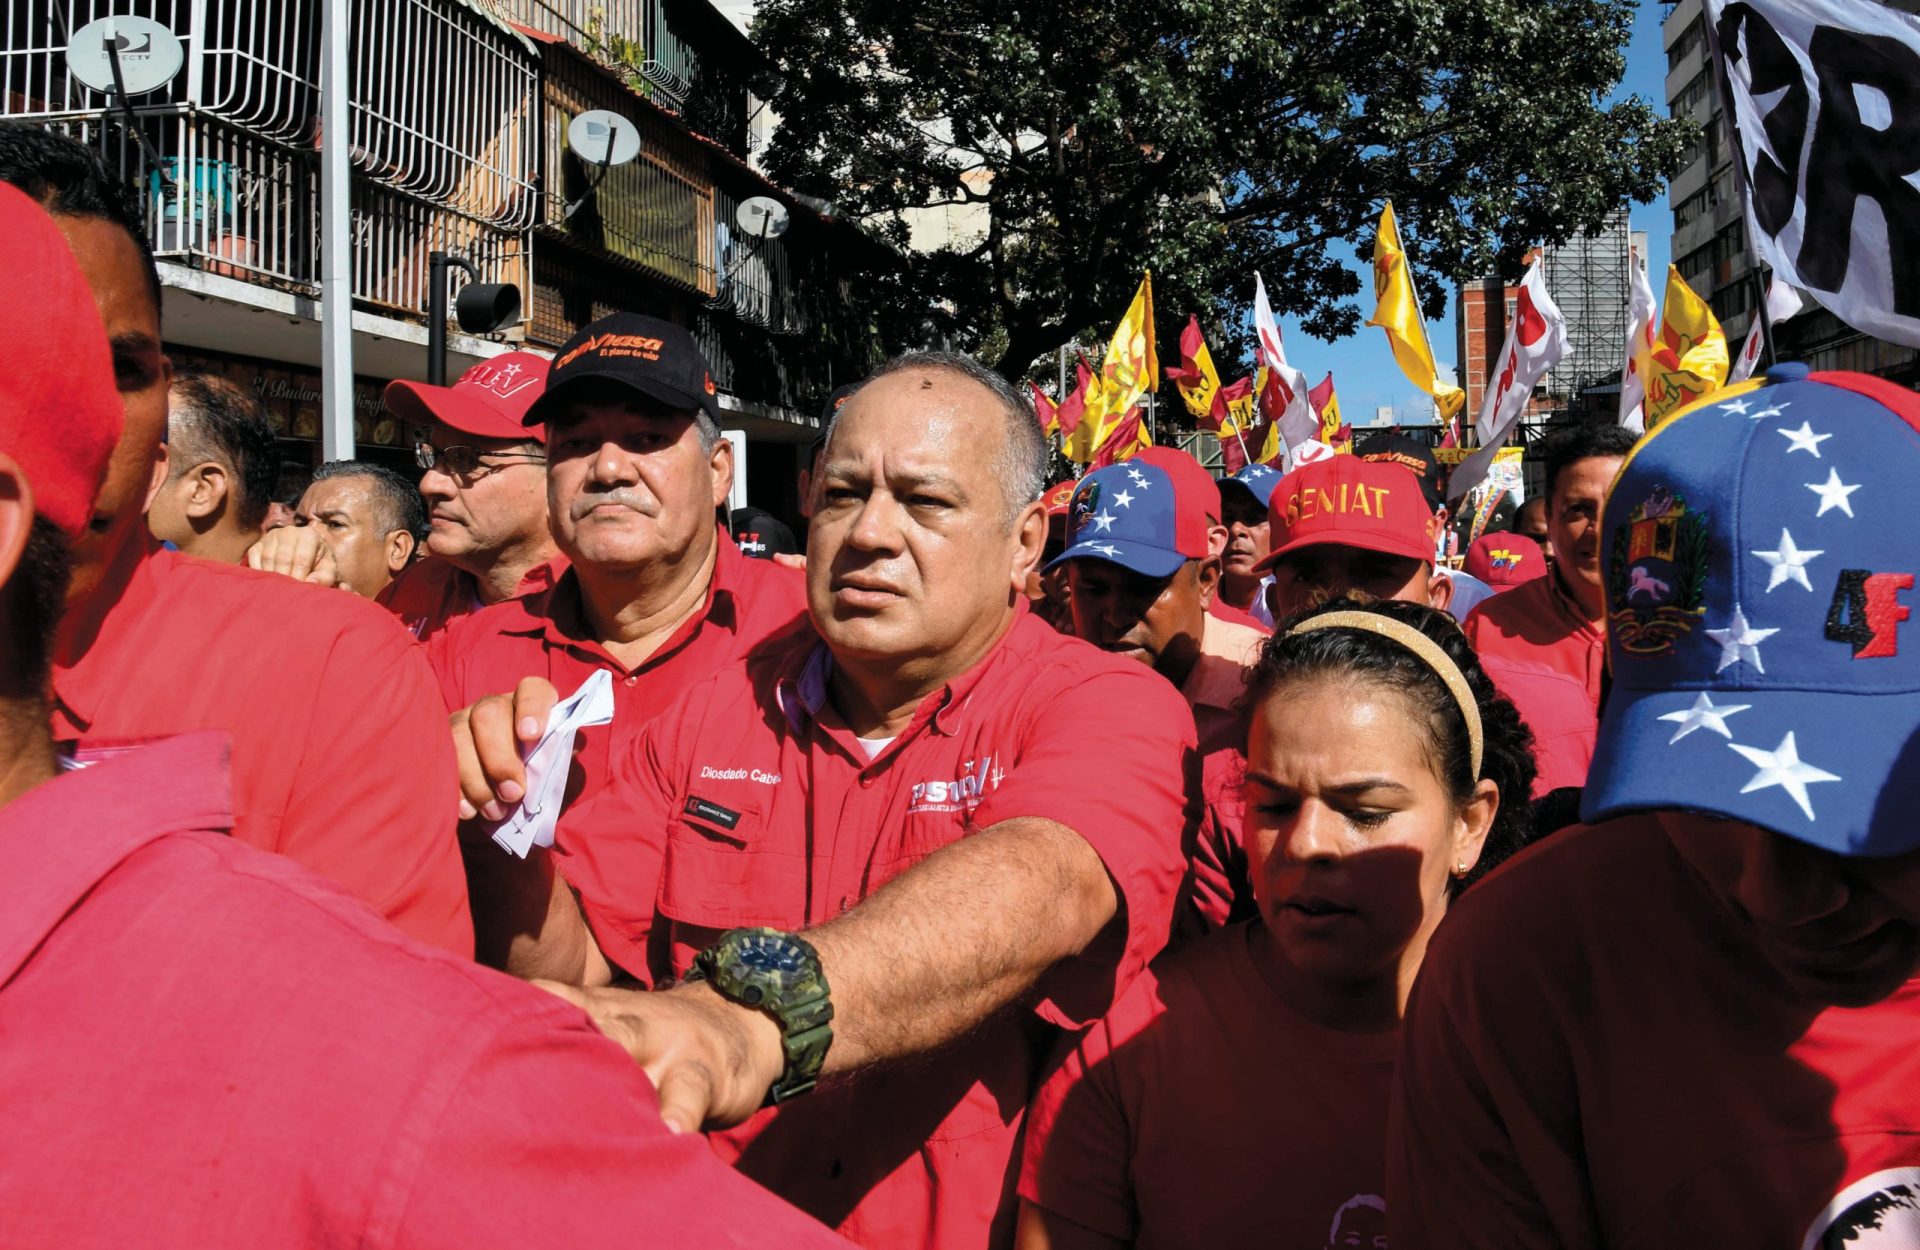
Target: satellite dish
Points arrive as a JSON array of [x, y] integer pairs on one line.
[[762, 217], [602, 137], [149, 54]]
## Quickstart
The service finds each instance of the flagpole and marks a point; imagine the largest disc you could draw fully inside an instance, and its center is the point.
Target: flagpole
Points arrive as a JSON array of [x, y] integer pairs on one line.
[[1747, 220], [1420, 309]]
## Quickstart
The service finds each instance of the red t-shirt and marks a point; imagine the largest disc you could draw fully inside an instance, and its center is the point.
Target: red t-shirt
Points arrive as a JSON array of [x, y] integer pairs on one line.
[[341, 756], [1237, 616], [1598, 1053], [431, 594], [212, 1047], [748, 602], [1205, 1111], [1538, 622], [741, 805], [1557, 708], [1217, 890]]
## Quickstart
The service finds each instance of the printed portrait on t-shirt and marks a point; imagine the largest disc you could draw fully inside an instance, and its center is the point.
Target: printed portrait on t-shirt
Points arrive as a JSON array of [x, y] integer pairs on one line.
[[1878, 1212], [1361, 1222]]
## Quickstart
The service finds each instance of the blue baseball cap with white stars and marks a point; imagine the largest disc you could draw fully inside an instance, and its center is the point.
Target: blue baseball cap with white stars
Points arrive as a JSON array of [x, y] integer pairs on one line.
[[1138, 516], [1257, 480], [1759, 551]]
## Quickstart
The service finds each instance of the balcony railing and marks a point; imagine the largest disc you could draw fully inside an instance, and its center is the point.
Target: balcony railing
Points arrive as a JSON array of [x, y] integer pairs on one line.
[[236, 134]]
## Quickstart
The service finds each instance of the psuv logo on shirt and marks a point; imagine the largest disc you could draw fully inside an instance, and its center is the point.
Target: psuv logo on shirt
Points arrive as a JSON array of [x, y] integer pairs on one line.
[[963, 793]]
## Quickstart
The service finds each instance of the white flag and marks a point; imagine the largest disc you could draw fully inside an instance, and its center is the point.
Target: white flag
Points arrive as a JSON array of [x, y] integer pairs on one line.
[[1782, 303], [1536, 342], [1642, 314], [1297, 421], [1829, 124]]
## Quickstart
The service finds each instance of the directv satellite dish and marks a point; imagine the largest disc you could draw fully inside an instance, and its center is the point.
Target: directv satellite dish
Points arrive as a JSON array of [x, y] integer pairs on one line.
[[149, 55], [762, 217], [601, 137]]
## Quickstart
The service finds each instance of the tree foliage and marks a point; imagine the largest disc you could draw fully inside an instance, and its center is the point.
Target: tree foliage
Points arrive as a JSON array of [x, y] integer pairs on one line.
[[1205, 139]]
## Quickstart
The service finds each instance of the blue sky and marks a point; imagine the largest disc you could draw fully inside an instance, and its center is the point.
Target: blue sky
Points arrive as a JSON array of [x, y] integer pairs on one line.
[[1364, 373]]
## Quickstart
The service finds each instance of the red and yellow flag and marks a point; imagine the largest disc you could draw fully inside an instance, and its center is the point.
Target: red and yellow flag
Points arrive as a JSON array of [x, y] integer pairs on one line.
[[1689, 355], [1129, 370], [1326, 406], [1129, 435], [1198, 380], [1398, 313], [1045, 411]]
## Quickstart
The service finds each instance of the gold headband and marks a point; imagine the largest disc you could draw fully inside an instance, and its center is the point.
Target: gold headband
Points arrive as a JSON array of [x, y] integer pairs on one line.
[[1426, 648]]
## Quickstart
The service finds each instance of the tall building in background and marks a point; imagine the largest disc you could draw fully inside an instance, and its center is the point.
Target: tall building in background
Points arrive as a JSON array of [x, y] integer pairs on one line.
[[1709, 228]]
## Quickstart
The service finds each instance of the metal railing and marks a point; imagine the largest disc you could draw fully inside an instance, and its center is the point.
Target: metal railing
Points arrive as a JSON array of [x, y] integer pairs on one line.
[[669, 62], [236, 134]]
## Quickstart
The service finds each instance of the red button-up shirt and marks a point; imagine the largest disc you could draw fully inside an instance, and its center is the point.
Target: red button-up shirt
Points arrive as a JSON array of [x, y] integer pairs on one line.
[[211, 1047], [431, 594], [746, 805], [1539, 622], [748, 602], [341, 756]]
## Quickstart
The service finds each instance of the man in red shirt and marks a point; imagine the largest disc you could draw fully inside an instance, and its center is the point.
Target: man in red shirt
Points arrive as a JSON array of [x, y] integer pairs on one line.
[[456, 1107], [340, 754], [1693, 1022], [1560, 620], [483, 476], [976, 821], [1143, 568], [370, 520], [222, 466], [1347, 525]]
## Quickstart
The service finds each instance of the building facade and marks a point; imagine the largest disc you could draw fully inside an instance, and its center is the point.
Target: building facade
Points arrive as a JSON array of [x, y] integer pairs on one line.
[[459, 113]]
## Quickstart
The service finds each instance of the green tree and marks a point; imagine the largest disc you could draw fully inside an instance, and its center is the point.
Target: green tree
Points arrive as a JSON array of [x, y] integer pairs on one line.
[[1205, 139]]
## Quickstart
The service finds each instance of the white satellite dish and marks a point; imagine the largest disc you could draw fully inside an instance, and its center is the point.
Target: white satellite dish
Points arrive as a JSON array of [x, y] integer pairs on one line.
[[602, 137], [149, 54], [762, 217]]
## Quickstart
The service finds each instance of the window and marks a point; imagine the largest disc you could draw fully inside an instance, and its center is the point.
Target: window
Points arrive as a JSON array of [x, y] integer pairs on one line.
[[1694, 37], [1690, 210]]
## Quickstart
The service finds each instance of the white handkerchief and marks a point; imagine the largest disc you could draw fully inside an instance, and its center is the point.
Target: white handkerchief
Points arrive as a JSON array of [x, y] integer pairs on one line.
[[531, 823]]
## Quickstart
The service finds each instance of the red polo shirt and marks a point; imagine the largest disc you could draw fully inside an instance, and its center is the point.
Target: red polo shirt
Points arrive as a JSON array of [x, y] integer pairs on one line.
[[746, 804], [1599, 1053], [341, 756], [212, 1047], [1557, 710], [431, 594], [545, 635], [1539, 622]]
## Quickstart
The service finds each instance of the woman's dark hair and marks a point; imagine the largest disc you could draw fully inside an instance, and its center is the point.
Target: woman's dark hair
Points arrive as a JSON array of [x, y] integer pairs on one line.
[[1507, 743]]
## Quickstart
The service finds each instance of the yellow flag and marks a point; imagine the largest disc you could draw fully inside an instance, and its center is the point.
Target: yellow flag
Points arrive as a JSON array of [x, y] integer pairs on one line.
[[1689, 355], [1398, 313], [1130, 369]]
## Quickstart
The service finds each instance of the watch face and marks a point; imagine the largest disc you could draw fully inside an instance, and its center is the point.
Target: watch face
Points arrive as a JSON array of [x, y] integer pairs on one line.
[[770, 955]]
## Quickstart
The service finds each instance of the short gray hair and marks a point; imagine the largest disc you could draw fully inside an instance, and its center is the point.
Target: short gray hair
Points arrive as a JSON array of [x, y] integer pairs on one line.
[[1020, 458], [396, 499]]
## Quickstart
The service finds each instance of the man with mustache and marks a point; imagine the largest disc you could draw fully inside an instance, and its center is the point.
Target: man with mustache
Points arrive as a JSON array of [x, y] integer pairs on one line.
[[1692, 1022], [655, 593], [893, 854], [1243, 510]]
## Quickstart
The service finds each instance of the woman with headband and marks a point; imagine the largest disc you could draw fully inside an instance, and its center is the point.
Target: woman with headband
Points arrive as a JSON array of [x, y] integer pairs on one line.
[[1237, 1094]]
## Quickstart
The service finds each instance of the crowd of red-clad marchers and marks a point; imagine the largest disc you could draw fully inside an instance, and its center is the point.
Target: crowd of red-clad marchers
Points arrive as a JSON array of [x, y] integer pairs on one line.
[[1150, 860]]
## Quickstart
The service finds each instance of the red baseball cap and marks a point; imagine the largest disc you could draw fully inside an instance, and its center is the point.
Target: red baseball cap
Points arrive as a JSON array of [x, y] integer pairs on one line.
[[1505, 559], [1056, 499], [1350, 502], [1192, 480], [489, 401], [60, 414]]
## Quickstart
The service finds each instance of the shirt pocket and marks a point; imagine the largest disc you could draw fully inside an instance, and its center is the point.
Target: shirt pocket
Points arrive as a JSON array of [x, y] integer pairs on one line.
[[717, 877]]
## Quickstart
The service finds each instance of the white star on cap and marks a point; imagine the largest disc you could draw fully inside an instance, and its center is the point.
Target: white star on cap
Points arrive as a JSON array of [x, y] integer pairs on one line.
[[1704, 715], [1106, 549], [1737, 405], [1789, 563], [1106, 519], [1124, 499], [1740, 641], [1833, 494], [1804, 439], [1772, 410], [1783, 767]]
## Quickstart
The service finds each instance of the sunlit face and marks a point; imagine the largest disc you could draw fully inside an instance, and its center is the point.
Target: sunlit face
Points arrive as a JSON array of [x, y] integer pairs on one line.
[[1843, 929], [1351, 835], [500, 504], [629, 485], [345, 512], [1327, 571], [910, 555], [1156, 620], [115, 274], [1531, 520], [1573, 516], [1248, 537]]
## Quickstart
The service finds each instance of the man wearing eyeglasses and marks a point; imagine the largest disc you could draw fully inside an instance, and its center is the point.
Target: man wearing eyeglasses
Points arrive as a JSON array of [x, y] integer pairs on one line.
[[484, 479]]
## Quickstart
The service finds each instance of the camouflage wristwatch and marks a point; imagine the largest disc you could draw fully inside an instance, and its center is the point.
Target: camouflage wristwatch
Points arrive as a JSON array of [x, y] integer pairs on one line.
[[778, 973]]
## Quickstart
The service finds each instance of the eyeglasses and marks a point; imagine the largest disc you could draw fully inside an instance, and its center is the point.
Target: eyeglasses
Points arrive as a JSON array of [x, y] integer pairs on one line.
[[467, 462]]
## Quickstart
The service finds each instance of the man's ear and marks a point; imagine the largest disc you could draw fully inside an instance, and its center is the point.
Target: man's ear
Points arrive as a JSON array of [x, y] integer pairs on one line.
[[1439, 590], [399, 550], [16, 515], [1208, 575], [1030, 532], [720, 461], [162, 459], [208, 491]]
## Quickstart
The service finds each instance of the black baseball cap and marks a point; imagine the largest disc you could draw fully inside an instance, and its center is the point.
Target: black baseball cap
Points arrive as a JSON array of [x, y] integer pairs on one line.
[[1409, 453], [656, 358]]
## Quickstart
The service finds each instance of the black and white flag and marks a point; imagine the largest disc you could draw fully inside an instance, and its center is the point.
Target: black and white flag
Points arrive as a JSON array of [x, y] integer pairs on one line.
[[1827, 97]]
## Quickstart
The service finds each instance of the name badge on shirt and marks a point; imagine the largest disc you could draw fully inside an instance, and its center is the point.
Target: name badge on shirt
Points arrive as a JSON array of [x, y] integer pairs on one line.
[[708, 810]]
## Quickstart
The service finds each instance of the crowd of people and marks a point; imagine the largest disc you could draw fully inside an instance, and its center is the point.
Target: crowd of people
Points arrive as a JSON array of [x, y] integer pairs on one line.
[[535, 854]]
